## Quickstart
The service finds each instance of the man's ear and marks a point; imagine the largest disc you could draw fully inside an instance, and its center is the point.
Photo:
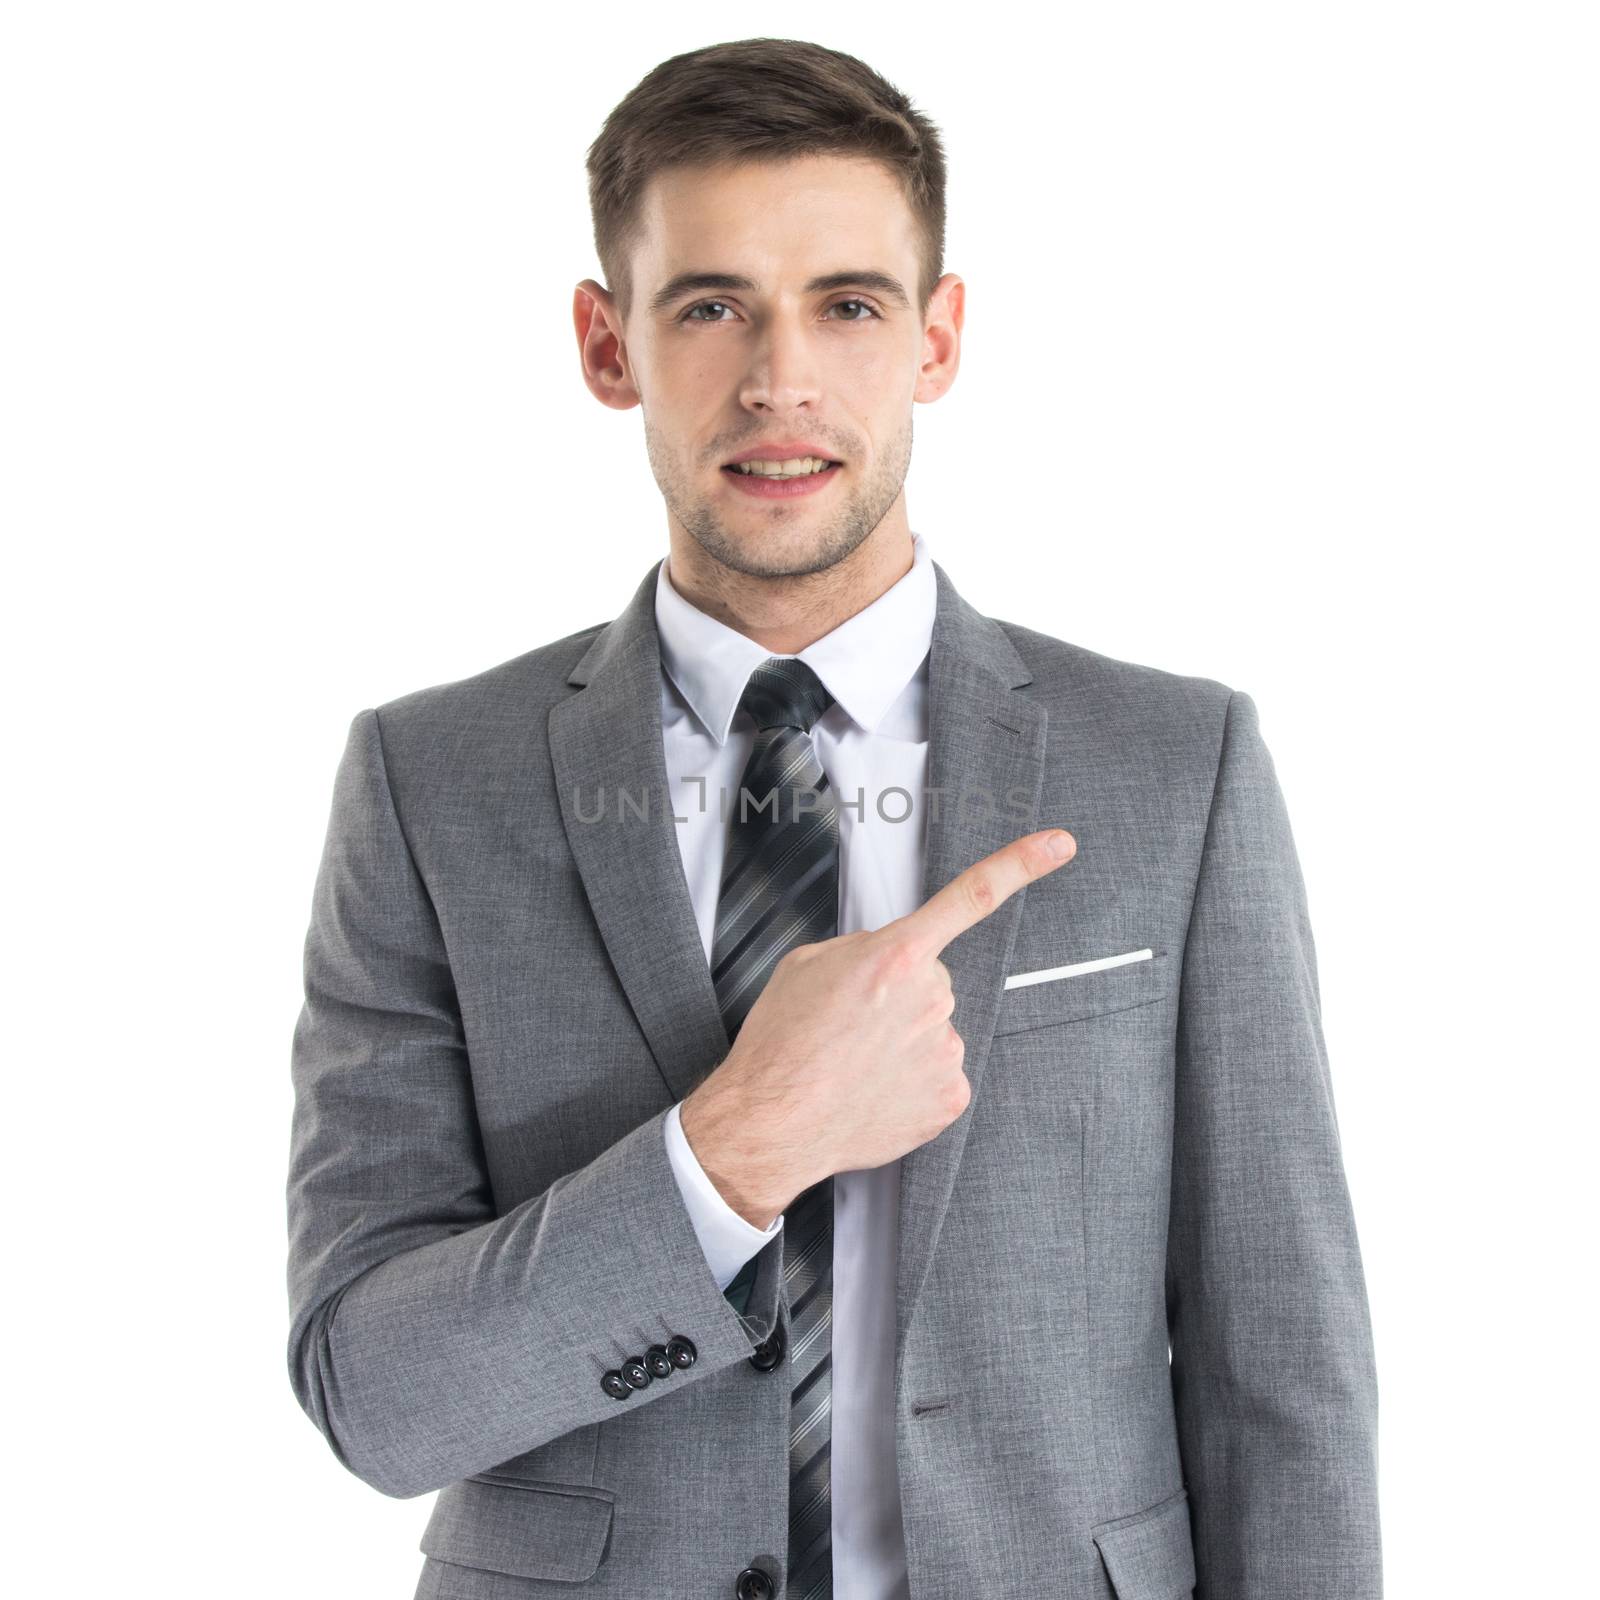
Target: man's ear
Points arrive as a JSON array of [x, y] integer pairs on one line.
[[941, 338], [601, 351]]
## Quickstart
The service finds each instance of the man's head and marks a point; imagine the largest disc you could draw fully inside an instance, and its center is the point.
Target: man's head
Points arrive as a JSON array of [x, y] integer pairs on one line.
[[769, 215]]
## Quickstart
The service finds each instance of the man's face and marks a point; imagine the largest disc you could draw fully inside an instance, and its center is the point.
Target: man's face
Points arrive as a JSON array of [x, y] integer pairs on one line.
[[780, 359]]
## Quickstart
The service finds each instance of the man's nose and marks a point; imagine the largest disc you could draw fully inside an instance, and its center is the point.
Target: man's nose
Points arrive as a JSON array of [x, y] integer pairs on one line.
[[783, 369]]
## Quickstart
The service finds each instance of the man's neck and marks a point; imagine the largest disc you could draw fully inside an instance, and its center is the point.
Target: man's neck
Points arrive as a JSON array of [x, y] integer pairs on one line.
[[785, 614]]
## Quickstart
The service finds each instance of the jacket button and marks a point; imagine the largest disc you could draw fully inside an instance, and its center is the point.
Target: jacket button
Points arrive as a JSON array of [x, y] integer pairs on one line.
[[770, 1352], [635, 1373], [753, 1584], [616, 1385], [658, 1361], [681, 1351]]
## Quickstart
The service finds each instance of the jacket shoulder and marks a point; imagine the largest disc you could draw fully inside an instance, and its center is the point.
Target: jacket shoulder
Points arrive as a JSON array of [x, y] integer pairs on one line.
[[1090, 683], [532, 681]]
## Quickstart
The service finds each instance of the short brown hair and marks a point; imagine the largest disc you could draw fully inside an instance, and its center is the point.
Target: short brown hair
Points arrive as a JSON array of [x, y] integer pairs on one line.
[[753, 100]]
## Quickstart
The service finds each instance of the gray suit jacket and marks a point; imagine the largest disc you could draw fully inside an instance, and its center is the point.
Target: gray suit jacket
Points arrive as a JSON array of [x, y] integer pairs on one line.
[[1132, 1352]]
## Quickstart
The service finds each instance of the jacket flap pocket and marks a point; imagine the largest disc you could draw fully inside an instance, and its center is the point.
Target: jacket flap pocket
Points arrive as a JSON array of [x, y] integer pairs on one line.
[[517, 1528], [1150, 1555], [1083, 994]]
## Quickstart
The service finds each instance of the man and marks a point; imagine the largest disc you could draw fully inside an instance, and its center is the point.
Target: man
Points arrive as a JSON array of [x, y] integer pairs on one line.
[[733, 1153]]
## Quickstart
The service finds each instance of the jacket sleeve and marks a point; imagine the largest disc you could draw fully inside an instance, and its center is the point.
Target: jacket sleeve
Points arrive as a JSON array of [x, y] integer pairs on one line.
[[430, 1338], [1273, 1371]]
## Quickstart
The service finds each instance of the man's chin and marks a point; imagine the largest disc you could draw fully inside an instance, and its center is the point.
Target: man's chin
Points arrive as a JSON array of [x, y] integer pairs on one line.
[[784, 548]]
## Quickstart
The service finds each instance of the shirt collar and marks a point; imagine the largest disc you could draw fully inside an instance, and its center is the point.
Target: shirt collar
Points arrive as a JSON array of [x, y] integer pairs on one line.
[[865, 662]]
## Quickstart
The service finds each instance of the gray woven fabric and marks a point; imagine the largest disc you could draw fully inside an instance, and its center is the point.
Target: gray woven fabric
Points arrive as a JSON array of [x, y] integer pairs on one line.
[[1132, 1347], [780, 888]]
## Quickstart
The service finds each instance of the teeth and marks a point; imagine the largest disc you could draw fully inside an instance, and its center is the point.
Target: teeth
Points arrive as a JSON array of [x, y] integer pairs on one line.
[[800, 467]]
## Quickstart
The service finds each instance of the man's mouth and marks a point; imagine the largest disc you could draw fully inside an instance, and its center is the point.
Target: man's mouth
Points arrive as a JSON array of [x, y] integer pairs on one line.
[[798, 467], [794, 478]]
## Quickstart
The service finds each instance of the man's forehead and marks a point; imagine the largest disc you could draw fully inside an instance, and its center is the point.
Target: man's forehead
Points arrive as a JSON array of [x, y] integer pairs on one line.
[[808, 236]]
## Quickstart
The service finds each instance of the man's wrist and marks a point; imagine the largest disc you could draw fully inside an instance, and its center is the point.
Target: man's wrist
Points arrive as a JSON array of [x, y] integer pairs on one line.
[[732, 1154]]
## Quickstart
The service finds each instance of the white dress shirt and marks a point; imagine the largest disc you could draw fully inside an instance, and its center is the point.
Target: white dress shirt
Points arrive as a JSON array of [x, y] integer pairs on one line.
[[872, 743]]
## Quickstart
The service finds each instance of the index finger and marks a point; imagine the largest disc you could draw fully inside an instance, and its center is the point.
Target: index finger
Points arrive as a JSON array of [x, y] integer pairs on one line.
[[984, 887]]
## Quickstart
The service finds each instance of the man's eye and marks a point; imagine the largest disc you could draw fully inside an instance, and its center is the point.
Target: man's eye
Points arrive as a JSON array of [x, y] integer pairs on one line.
[[866, 306]]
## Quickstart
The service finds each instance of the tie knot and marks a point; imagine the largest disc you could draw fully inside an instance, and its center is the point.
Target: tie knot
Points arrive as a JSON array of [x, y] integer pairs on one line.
[[783, 692]]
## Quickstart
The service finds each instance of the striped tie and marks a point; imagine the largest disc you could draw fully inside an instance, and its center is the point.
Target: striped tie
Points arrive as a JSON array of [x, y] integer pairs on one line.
[[780, 888]]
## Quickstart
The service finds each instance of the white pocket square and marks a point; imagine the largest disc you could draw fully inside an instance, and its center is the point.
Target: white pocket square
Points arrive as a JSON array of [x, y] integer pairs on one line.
[[1045, 974]]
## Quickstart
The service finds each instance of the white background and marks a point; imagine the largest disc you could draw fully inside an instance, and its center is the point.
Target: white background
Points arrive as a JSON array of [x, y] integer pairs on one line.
[[1279, 368]]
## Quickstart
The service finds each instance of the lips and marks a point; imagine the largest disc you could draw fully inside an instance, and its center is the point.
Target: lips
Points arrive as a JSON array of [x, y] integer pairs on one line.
[[782, 450]]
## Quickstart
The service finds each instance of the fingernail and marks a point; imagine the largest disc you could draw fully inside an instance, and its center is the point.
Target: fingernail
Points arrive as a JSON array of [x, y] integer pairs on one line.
[[1060, 844]]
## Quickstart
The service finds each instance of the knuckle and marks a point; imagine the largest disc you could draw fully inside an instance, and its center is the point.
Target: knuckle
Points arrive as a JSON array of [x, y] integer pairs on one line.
[[899, 961], [890, 970], [981, 893], [957, 1095]]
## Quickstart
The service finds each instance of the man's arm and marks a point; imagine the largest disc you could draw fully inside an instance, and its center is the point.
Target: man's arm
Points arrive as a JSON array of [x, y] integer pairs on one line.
[[731, 1244], [1273, 1371], [430, 1338]]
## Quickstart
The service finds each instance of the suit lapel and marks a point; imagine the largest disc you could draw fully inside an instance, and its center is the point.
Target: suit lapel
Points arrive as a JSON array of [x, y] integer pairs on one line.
[[984, 740], [986, 743], [606, 751]]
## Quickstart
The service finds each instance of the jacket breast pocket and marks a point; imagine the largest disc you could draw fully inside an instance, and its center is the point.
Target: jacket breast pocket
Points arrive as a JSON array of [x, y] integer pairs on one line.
[[505, 1524], [1080, 995]]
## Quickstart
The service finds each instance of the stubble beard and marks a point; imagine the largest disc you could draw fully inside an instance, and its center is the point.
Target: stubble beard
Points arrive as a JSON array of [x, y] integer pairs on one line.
[[829, 541]]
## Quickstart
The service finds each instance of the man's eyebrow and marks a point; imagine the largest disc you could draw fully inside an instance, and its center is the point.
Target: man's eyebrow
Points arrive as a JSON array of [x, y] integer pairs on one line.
[[684, 283]]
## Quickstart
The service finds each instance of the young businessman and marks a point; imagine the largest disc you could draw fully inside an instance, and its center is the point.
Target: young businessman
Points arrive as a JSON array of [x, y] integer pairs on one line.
[[733, 1152]]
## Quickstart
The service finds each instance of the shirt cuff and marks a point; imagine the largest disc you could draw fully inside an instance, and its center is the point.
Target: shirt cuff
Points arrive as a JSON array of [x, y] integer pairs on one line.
[[726, 1238]]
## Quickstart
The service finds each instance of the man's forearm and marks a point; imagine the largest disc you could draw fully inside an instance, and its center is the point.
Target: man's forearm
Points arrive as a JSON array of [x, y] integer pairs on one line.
[[429, 1336], [748, 1168]]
